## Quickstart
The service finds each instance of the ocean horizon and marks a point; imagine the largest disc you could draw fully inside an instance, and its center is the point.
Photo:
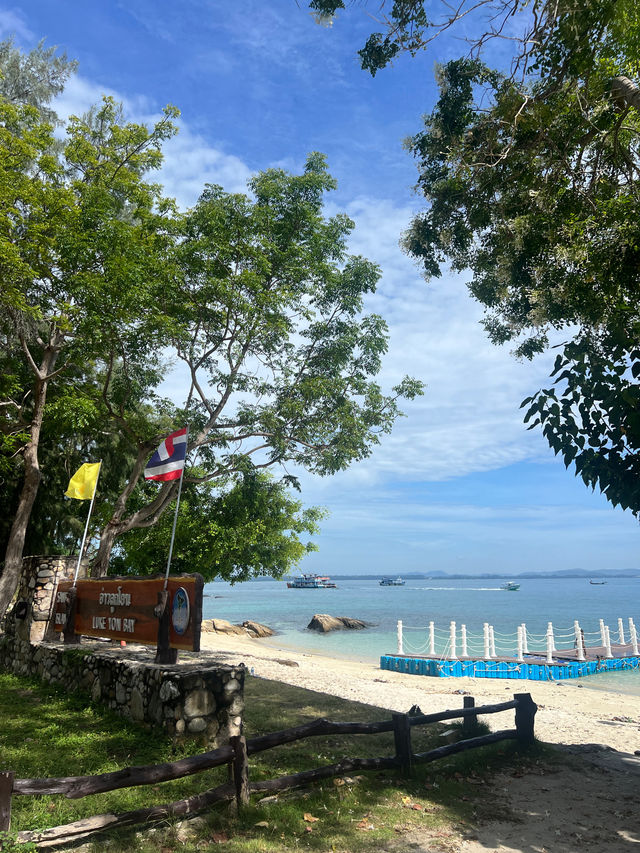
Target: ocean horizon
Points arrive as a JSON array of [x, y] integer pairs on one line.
[[469, 602]]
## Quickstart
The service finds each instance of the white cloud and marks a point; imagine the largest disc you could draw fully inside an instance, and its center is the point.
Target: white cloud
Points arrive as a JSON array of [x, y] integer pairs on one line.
[[191, 162], [469, 418], [12, 23]]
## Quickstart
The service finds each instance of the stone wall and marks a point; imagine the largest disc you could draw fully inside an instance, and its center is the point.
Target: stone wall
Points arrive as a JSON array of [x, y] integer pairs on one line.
[[35, 593], [197, 697], [194, 698]]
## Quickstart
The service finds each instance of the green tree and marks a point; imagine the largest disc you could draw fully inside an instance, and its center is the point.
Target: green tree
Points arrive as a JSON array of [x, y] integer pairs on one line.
[[246, 528], [82, 247], [531, 175], [266, 316], [591, 417], [533, 185], [34, 78]]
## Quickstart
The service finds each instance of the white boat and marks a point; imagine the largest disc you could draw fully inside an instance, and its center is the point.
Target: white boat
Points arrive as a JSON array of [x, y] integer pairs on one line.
[[311, 582], [392, 582], [511, 586]]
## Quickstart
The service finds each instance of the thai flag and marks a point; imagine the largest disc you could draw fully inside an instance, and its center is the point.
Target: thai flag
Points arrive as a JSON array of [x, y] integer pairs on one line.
[[168, 460]]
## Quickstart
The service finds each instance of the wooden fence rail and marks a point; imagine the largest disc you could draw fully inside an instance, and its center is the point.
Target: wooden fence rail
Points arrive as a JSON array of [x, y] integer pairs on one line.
[[236, 755]]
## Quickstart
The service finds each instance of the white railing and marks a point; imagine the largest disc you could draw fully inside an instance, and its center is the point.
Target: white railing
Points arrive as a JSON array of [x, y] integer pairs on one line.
[[455, 641]]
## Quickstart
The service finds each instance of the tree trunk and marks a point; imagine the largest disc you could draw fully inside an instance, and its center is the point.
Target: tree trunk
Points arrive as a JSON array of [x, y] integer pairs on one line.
[[12, 570], [108, 536], [145, 517], [625, 92]]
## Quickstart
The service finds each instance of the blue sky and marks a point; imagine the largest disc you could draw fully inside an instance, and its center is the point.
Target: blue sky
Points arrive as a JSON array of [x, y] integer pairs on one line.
[[460, 485]]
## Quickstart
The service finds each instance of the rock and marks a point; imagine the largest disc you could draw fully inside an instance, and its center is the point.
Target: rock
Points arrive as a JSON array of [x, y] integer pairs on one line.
[[324, 623], [221, 626], [255, 629]]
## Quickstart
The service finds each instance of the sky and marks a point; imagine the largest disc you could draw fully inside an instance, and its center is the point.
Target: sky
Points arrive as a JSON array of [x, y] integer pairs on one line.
[[460, 485]]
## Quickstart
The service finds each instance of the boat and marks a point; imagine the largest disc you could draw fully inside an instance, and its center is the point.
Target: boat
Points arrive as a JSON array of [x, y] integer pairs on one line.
[[392, 582], [311, 582], [597, 583], [511, 586]]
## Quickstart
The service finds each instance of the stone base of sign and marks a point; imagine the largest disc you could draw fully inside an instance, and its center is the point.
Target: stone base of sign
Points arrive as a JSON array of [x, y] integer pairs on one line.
[[34, 598], [196, 698]]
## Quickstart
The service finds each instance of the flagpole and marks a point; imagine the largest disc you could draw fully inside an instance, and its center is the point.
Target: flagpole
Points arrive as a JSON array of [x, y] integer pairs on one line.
[[175, 516], [86, 527]]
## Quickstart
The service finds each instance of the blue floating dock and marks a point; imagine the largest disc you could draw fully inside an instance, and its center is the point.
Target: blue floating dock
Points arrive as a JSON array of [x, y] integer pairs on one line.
[[536, 669]]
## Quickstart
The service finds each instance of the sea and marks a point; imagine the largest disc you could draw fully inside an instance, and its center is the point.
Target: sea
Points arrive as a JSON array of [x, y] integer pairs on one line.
[[469, 603]]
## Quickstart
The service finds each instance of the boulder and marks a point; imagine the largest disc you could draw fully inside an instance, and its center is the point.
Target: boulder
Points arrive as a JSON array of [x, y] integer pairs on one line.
[[255, 629], [324, 623], [221, 626]]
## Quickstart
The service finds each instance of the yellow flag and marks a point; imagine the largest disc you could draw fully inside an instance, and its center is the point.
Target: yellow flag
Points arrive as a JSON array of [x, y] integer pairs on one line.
[[83, 483]]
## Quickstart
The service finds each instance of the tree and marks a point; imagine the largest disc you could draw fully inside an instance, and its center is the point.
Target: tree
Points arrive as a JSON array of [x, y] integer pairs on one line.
[[35, 78], [248, 527], [265, 314], [82, 246], [536, 191], [531, 174], [592, 416]]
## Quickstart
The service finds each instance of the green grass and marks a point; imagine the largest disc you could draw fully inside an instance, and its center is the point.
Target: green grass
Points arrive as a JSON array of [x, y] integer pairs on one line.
[[46, 732]]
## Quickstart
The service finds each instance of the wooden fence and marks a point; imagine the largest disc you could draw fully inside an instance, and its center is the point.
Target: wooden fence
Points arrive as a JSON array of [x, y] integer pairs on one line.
[[236, 755]]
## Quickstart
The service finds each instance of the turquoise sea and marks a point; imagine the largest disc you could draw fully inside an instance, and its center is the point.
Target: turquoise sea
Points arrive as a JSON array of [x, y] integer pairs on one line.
[[468, 602]]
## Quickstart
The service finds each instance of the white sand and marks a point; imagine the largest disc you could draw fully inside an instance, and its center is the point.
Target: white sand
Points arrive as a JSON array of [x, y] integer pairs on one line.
[[567, 714]]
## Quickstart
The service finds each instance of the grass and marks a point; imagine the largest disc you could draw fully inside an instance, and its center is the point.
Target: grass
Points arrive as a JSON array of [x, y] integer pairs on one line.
[[46, 732]]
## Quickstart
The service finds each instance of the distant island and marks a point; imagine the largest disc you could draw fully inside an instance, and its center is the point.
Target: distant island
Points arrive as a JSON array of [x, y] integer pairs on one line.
[[439, 575]]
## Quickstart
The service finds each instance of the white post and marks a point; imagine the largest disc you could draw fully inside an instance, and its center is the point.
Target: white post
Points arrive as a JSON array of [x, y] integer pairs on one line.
[[452, 641], [603, 634], [432, 638], [525, 645], [623, 642], [630, 624], [492, 641], [520, 644], [579, 649], [463, 641], [487, 653], [634, 639], [400, 647], [549, 645], [607, 644]]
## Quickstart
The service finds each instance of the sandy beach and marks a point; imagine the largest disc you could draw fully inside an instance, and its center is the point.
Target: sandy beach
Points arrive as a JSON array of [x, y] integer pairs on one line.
[[567, 714], [589, 803]]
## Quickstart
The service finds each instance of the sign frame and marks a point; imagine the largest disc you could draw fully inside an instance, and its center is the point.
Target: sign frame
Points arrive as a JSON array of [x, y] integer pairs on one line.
[[132, 609]]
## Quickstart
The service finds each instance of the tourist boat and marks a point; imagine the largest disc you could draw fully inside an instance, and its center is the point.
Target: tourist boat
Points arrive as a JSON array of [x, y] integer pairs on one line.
[[597, 583], [511, 586], [311, 582], [392, 582]]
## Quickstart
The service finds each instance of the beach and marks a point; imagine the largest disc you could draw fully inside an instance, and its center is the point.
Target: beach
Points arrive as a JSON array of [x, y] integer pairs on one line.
[[584, 803], [567, 713]]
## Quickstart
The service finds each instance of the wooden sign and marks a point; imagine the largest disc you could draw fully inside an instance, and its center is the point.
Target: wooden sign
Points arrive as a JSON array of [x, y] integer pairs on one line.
[[126, 608]]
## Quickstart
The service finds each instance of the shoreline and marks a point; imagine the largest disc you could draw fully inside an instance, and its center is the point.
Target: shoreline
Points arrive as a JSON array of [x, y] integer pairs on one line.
[[567, 715]]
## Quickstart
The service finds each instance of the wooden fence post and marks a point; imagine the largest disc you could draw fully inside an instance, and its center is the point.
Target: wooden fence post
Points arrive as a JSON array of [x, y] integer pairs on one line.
[[525, 715], [402, 740], [6, 787], [469, 723], [240, 769]]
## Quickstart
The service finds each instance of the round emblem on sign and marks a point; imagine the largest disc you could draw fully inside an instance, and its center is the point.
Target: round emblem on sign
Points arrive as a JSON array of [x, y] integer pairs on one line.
[[180, 610]]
